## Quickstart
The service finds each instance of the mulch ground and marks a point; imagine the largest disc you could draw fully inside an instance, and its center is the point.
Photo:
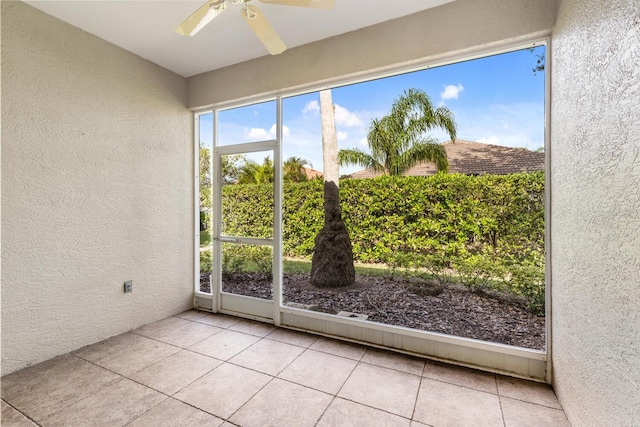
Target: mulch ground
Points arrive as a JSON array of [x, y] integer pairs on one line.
[[455, 311]]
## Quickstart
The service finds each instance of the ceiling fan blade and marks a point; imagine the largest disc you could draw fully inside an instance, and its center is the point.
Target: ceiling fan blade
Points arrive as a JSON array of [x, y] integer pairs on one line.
[[319, 4], [263, 30], [201, 17]]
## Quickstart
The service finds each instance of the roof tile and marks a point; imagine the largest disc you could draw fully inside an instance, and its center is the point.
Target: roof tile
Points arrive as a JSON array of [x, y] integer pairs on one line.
[[476, 158]]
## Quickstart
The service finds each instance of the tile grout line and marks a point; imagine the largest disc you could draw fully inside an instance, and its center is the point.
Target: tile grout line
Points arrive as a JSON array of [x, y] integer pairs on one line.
[[340, 342], [254, 370], [391, 369], [333, 399], [501, 396], [260, 372], [278, 328], [504, 422], [253, 395], [182, 401], [173, 354], [191, 406], [276, 376], [415, 403], [358, 362], [171, 396], [201, 376], [151, 408], [350, 374], [184, 348], [60, 409], [22, 413], [124, 377], [532, 403], [305, 386], [293, 360], [377, 409], [460, 385], [149, 338], [285, 342], [207, 314], [335, 396]]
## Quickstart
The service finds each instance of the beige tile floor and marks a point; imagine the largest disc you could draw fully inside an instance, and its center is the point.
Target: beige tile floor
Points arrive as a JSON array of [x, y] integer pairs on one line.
[[200, 369]]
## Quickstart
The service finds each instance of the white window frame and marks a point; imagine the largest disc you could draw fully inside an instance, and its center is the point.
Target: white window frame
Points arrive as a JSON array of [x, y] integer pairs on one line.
[[488, 356]]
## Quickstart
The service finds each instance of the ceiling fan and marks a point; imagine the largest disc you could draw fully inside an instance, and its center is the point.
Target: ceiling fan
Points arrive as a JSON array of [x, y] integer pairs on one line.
[[256, 20]]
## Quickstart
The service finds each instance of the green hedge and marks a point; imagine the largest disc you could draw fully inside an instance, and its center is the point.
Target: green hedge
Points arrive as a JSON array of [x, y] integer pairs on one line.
[[481, 227], [438, 215]]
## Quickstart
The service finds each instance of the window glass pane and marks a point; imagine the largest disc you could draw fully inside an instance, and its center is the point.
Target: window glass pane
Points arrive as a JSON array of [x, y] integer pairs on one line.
[[251, 123], [205, 124], [461, 252], [247, 195], [247, 270]]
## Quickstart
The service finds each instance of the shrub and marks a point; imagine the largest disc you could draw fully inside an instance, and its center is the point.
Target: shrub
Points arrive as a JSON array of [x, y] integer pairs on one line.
[[246, 258], [479, 272], [446, 215], [206, 262], [528, 280], [262, 259], [474, 229], [233, 259]]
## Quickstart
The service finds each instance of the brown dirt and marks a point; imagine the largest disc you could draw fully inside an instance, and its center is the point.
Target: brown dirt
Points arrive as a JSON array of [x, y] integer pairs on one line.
[[455, 311]]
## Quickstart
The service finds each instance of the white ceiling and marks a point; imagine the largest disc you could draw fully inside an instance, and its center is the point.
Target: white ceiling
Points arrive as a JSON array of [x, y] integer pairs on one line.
[[146, 28]]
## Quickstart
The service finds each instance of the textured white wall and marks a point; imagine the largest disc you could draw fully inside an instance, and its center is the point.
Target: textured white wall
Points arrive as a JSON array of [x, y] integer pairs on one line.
[[458, 28], [595, 152], [96, 188]]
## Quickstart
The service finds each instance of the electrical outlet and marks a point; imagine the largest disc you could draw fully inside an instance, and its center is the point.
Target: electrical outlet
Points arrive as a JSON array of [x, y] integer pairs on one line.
[[128, 286]]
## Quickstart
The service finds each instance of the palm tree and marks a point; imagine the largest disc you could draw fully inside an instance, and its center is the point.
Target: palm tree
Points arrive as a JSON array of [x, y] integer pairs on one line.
[[231, 167], [399, 140], [205, 176], [254, 173], [332, 261], [293, 169]]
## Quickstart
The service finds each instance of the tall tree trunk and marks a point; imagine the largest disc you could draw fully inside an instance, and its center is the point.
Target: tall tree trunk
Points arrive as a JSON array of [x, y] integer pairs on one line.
[[332, 262]]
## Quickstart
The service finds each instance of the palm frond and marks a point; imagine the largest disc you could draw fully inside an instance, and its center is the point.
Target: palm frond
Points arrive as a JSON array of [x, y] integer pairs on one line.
[[400, 139], [424, 152], [443, 118], [358, 157], [293, 169]]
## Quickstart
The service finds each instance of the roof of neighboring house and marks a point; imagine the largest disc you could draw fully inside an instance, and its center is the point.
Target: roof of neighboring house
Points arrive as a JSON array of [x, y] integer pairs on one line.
[[312, 173], [476, 158]]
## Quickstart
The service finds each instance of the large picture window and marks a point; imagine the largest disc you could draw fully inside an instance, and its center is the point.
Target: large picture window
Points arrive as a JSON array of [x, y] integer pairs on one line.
[[442, 196]]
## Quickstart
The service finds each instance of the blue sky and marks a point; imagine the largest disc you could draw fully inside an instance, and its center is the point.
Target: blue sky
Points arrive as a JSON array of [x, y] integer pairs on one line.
[[496, 99]]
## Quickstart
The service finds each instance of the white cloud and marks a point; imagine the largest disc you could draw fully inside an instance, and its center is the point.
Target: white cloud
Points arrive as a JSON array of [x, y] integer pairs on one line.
[[512, 125], [341, 136], [344, 117], [364, 141], [311, 107], [450, 92], [258, 134], [285, 131], [493, 139], [517, 140]]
